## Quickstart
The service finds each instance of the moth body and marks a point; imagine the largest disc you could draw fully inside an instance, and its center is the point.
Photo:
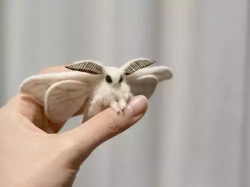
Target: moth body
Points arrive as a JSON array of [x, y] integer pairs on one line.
[[112, 91], [93, 86]]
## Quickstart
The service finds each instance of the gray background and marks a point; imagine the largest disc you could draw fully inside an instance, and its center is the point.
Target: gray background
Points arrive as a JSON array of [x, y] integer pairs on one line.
[[196, 131]]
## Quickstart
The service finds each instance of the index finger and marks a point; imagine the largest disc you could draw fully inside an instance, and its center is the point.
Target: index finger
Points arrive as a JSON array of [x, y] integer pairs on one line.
[[54, 69]]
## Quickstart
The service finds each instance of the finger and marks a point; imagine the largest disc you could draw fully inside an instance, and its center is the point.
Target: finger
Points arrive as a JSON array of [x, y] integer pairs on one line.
[[25, 106], [55, 69], [106, 125]]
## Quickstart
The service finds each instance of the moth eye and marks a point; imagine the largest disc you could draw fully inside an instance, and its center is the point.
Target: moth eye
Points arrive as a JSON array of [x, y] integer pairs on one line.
[[121, 79], [108, 79]]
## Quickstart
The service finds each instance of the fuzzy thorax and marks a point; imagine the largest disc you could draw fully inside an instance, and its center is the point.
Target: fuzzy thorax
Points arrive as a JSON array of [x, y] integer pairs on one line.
[[112, 91]]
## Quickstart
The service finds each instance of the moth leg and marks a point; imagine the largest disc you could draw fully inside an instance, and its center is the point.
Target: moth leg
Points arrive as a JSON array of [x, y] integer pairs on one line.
[[124, 100], [114, 105], [122, 104]]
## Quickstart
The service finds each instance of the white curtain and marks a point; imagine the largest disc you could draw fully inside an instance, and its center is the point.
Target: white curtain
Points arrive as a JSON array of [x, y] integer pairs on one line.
[[196, 131]]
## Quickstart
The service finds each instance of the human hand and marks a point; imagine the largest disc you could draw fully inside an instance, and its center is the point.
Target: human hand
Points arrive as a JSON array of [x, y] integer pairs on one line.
[[32, 154]]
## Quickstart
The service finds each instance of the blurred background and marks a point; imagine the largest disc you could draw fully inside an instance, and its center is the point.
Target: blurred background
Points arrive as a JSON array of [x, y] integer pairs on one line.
[[196, 130]]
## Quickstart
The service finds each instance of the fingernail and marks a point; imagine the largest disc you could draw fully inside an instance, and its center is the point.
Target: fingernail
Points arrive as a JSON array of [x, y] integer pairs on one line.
[[138, 105]]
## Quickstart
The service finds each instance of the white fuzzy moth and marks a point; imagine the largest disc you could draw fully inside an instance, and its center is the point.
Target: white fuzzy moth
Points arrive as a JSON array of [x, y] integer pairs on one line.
[[89, 82]]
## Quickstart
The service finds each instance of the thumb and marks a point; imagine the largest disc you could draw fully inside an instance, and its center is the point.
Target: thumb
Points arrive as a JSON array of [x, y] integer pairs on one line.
[[106, 125]]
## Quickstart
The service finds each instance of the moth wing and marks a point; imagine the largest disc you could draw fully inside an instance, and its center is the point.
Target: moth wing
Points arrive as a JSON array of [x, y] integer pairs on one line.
[[144, 85], [37, 85], [63, 99], [160, 72]]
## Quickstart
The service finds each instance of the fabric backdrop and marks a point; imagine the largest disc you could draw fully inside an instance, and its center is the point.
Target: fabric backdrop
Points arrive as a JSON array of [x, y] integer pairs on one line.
[[196, 131]]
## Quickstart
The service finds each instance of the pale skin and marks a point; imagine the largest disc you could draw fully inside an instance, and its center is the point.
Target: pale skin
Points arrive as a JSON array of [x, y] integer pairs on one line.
[[33, 154]]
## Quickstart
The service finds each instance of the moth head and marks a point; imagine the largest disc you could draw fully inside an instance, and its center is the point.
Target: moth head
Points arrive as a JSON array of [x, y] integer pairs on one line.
[[136, 64], [113, 76], [87, 66]]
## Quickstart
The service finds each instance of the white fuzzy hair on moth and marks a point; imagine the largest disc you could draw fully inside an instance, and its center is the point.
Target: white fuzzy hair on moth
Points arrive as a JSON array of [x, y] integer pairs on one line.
[[92, 84], [112, 91]]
